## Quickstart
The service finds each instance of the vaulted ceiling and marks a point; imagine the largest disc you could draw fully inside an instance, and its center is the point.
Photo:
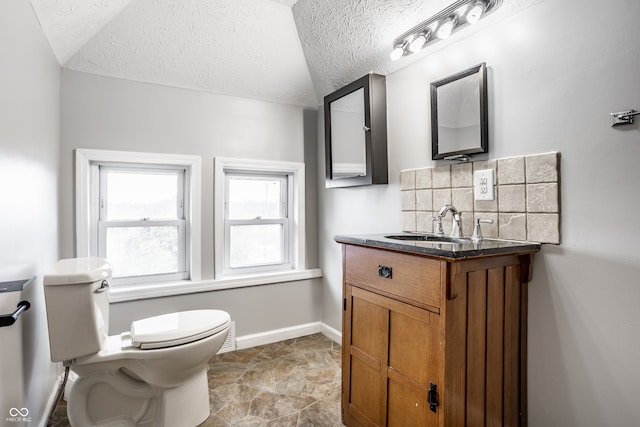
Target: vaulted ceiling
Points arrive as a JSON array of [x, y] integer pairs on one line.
[[286, 51]]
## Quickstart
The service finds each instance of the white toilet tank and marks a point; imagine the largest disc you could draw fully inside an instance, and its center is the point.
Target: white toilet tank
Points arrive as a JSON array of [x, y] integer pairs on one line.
[[77, 298]]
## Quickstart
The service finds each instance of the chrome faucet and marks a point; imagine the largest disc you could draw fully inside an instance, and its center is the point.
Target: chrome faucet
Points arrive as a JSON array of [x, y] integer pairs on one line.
[[456, 226]]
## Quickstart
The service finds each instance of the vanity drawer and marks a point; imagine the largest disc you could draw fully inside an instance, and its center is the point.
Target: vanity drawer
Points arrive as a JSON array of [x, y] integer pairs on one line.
[[408, 277]]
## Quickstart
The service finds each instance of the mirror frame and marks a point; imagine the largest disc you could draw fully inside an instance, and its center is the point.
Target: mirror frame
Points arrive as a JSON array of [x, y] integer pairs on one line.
[[375, 122], [436, 154]]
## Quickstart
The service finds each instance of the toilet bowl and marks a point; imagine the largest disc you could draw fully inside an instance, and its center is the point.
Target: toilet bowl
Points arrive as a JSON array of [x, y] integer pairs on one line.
[[153, 375]]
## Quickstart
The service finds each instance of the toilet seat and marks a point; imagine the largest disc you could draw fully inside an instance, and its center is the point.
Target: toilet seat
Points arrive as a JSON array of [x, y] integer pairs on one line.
[[178, 328]]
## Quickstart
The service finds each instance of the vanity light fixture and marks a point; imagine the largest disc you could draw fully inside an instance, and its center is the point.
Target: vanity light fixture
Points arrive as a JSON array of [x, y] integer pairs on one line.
[[449, 20]]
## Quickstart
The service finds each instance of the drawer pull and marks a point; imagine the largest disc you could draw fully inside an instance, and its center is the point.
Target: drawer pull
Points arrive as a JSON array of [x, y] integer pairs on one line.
[[384, 271]]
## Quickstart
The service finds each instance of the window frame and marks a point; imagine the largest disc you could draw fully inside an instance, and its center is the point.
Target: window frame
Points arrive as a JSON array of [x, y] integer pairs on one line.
[[99, 215], [283, 220], [295, 244], [88, 194]]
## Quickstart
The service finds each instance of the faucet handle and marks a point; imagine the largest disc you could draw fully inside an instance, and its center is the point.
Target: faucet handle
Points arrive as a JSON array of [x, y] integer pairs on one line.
[[437, 227], [477, 232]]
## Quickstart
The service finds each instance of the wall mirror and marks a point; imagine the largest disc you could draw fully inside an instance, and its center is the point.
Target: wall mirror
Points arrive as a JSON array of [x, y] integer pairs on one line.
[[459, 122], [356, 133]]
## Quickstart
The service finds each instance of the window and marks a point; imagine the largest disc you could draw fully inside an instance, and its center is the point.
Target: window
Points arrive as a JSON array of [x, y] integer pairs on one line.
[[260, 215], [141, 212], [256, 222], [141, 222]]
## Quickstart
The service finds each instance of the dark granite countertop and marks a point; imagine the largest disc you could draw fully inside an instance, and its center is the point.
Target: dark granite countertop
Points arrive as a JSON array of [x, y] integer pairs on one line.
[[466, 249]]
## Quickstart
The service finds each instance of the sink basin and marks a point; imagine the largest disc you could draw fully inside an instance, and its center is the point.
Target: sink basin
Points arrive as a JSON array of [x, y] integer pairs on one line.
[[428, 238]]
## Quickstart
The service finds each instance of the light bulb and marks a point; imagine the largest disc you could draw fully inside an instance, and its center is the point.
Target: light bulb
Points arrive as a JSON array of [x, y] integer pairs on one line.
[[476, 11], [418, 43], [398, 51], [446, 27]]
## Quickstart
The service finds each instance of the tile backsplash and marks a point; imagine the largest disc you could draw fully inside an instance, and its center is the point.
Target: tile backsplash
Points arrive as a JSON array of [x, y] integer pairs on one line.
[[526, 205]]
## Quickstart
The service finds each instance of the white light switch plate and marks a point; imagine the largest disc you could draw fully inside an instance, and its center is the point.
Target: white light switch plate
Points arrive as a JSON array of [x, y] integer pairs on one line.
[[483, 184]]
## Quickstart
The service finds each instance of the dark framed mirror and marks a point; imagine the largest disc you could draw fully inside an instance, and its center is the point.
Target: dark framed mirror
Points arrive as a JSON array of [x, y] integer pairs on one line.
[[355, 122], [459, 117]]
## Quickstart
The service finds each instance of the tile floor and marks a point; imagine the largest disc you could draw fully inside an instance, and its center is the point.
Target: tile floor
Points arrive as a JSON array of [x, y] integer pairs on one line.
[[289, 383]]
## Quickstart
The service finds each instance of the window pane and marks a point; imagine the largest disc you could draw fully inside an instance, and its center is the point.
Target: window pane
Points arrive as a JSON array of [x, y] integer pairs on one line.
[[253, 198], [252, 245], [136, 251], [141, 194]]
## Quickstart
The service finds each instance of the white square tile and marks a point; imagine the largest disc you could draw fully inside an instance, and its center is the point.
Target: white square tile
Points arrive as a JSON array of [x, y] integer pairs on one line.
[[408, 179], [442, 176], [409, 221], [423, 178], [409, 200], [512, 226], [511, 171], [462, 175], [511, 198], [543, 198], [543, 228], [542, 168], [424, 200]]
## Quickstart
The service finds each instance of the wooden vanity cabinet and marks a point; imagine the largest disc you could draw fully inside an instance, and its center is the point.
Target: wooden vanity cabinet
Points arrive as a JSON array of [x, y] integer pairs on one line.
[[429, 341]]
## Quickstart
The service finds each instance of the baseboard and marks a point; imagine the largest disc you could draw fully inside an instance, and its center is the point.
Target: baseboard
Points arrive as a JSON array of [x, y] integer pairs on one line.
[[275, 335], [331, 333]]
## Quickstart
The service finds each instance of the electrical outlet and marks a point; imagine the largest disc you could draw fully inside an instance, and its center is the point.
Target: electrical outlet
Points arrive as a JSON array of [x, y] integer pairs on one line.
[[483, 185]]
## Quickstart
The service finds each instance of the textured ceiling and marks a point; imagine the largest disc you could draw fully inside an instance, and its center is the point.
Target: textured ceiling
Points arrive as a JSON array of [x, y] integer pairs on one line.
[[345, 40], [287, 51]]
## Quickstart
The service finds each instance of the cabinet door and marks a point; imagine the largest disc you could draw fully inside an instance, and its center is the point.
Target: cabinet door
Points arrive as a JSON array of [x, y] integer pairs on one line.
[[365, 351], [390, 356], [414, 363]]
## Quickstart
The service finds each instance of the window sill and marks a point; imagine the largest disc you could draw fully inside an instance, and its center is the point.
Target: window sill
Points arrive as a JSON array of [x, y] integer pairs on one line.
[[134, 292]]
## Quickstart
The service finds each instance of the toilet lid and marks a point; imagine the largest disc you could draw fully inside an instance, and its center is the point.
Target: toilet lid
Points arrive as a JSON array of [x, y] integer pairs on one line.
[[177, 328]]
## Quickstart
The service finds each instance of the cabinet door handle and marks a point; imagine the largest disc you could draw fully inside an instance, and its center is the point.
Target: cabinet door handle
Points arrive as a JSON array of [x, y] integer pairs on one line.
[[384, 271], [432, 397]]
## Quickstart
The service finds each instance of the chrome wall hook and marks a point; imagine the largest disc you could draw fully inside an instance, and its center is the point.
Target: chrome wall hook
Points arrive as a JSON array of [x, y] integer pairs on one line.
[[623, 117]]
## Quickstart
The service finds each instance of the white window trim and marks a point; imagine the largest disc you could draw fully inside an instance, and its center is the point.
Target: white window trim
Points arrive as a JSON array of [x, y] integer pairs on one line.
[[298, 205], [84, 159], [286, 193]]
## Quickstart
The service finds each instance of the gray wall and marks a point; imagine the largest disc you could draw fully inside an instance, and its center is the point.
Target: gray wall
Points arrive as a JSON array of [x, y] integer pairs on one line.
[[29, 147], [113, 114], [556, 71]]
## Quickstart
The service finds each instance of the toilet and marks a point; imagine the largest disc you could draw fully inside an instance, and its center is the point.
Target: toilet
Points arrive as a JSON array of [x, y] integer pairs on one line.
[[154, 375]]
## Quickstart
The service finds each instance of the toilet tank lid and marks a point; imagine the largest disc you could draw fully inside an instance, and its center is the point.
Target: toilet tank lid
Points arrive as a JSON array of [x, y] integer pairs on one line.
[[75, 271], [179, 325]]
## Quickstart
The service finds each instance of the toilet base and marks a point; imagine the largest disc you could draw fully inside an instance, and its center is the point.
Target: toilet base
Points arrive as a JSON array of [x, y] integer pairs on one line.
[[188, 405], [117, 399]]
